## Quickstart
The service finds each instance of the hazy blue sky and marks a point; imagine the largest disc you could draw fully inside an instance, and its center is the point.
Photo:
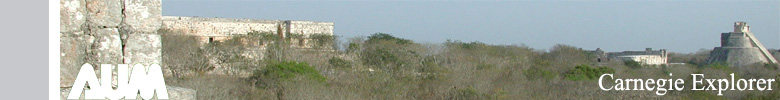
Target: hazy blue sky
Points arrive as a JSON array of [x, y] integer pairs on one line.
[[679, 26]]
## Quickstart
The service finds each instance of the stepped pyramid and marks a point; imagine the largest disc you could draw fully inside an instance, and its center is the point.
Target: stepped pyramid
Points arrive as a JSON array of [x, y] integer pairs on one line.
[[740, 48]]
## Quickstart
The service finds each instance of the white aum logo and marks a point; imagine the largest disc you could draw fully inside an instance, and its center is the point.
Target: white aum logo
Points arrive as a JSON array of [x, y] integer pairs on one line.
[[129, 87]]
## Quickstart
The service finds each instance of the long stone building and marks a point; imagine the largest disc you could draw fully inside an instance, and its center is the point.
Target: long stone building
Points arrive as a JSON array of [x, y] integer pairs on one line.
[[740, 48], [647, 57], [222, 28]]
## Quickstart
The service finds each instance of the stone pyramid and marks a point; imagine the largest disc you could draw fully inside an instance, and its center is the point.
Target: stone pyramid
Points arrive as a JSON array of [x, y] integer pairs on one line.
[[740, 48]]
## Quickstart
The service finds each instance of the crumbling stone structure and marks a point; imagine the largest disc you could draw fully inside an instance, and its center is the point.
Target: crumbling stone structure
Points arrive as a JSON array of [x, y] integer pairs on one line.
[[740, 48], [110, 32], [227, 26], [126, 32], [299, 35], [217, 29], [647, 57]]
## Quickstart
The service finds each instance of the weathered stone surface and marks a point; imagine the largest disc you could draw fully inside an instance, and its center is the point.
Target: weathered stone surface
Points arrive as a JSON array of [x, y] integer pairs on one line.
[[143, 15], [73, 52], [225, 27], [180, 93], [143, 49], [218, 26], [64, 93], [106, 48], [736, 56], [104, 12], [72, 15], [309, 27]]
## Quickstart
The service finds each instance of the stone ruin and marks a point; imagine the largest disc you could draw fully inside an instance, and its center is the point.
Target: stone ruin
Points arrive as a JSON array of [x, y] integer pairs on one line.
[[126, 32], [110, 32], [740, 48], [647, 57], [218, 29]]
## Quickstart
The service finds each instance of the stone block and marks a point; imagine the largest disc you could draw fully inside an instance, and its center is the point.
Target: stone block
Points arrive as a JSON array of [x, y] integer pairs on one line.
[[143, 49], [73, 52], [143, 15], [72, 15], [106, 47], [104, 12]]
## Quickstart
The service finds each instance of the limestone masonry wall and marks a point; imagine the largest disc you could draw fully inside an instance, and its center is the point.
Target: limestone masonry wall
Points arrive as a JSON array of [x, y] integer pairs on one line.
[[309, 27], [225, 26], [216, 26], [648, 57]]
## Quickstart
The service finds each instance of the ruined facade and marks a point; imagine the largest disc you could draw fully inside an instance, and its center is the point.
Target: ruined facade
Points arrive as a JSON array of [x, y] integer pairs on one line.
[[126, 32], [647, 57], [740, 48], [217, 29]]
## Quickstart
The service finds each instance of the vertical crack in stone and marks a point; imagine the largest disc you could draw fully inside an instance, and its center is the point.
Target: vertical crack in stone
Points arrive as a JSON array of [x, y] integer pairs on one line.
[[122, 22], [87, 18], [122, 41], [122, 33]]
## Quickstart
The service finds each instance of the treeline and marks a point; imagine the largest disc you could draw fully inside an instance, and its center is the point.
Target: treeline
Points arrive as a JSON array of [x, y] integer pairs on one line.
[[382, 66]]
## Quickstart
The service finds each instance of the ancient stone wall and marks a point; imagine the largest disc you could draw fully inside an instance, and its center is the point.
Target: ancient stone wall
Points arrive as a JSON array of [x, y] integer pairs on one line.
[[736, 56], [226, 26], [648, 57], [645, 59], [217, 26], [218, 29], [309, 27], [109, 32], [735, 40]]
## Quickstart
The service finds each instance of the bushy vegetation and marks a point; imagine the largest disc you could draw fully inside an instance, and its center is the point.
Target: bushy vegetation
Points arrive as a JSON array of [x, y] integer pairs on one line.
[[382, 66], [183, 54], [288, 69], [538, 73], [697, 58], [340, 63], [469, 93], [323, 41], [720, 66], [585, 72], [382, 37], [386, 52]]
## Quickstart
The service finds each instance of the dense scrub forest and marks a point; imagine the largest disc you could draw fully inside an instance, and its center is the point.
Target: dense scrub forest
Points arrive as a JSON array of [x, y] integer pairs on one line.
[[382, 66]]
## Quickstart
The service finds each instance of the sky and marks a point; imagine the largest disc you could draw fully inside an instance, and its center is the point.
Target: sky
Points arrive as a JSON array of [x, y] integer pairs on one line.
[[678, 26]]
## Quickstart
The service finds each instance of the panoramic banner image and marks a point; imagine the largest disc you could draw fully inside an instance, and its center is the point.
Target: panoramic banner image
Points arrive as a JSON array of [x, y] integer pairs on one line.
[[414, 50]]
